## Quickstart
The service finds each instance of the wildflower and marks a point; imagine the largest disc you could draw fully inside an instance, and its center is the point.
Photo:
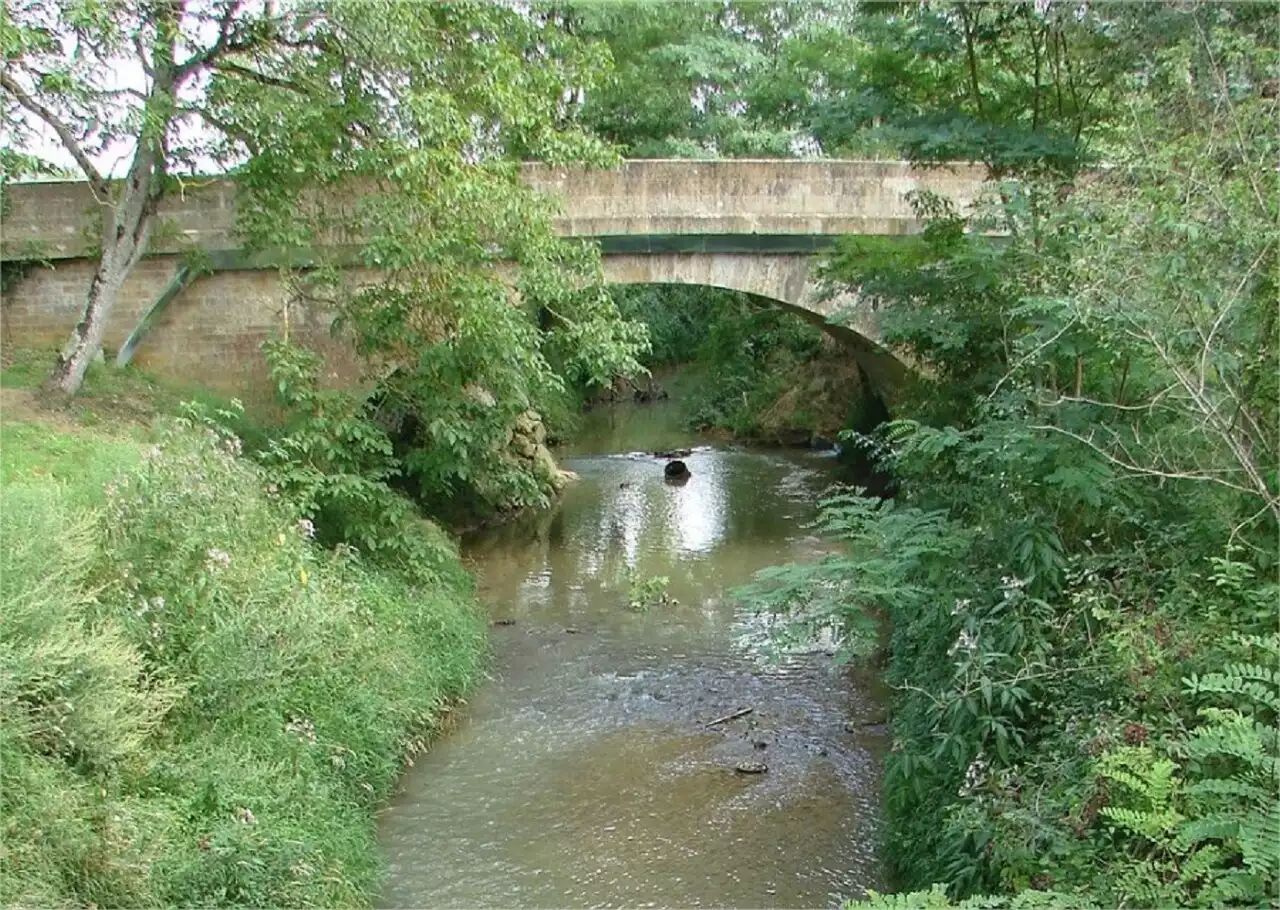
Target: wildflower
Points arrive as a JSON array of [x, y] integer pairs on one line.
[[974, 776], [217, 558], [1009, 584], [966, 642], [302, 728]]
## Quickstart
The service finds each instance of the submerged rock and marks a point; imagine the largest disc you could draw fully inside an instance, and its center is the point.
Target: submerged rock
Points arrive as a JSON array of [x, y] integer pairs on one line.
[[751, 767]]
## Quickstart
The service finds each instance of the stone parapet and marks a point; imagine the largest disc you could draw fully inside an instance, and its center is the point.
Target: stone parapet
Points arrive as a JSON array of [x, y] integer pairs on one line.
[[63, 220]]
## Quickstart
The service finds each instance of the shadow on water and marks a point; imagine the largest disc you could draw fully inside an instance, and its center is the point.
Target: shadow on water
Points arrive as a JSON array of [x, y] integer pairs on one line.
[[583, 773]]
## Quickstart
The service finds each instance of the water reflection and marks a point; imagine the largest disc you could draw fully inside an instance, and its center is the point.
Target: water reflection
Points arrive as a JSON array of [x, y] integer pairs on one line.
[[583, 774]]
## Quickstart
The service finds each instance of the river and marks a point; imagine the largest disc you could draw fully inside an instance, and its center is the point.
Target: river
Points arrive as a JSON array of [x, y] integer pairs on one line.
[[582, 773]]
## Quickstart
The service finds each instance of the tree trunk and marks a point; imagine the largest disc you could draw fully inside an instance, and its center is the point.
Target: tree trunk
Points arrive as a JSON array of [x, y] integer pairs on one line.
[[124, 240]]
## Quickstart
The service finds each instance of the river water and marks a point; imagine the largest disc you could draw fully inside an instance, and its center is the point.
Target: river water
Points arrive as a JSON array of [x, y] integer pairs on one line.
[[582, 773]]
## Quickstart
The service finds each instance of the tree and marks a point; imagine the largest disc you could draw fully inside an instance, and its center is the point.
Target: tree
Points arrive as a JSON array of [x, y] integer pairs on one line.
[[1018, 86], [702, 78], [1175, 265], [1096, 442], [128, 78]]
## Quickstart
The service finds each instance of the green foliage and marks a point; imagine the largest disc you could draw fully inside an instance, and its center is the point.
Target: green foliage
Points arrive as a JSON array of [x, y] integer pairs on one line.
[[679, 317], [889, 554], [76, 706], [199, 706], [936, 899], [697, 79], [752, 366], [1095, 435], [1211, 835], [335, 463], [646, 591], [1019, 86], [453, 357]]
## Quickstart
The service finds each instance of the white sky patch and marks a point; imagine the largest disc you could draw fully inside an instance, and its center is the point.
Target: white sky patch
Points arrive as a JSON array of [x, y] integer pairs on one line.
[[118, 75]]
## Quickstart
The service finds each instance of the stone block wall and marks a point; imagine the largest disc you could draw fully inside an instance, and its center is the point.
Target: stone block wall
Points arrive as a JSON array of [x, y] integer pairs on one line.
[[210, 335]]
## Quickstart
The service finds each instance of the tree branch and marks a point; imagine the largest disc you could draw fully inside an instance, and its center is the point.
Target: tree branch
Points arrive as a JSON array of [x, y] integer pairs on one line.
[[220, 46], [1150, 405], [68, 139], [1030, 355], [222, 126], [970, 31], [226, 66], [1135, 468], [142, 54]]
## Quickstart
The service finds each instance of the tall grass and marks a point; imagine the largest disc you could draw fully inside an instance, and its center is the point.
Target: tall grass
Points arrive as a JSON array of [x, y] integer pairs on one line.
[[197, 705]]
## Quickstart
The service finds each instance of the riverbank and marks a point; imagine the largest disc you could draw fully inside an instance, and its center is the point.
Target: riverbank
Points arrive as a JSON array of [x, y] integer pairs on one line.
[[198, 704]]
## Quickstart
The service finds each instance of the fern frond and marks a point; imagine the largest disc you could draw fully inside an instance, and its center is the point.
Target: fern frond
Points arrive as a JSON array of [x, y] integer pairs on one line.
[[1154, 826], [1144, 883], [1202, 829], [1230, 734], [1200, 864], [1254, 683], [1231, 786], [933, 899], [1260, 840], [1236, 886], [1269, 643]]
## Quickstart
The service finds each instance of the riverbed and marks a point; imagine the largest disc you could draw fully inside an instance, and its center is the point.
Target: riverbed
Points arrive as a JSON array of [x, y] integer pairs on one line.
[[583, 773]]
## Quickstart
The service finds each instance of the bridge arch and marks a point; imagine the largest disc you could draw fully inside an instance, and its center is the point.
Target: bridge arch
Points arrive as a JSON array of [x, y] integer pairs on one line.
[[785, 280]]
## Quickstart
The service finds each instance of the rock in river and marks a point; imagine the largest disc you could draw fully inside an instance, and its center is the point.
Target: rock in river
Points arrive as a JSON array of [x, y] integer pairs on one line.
[[751, 767]]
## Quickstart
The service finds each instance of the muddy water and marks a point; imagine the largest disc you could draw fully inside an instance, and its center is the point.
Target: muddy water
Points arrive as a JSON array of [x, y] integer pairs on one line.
[[583, 773]]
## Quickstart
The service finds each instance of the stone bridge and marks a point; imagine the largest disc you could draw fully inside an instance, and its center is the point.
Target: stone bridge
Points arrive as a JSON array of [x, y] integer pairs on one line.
[[746, 225]]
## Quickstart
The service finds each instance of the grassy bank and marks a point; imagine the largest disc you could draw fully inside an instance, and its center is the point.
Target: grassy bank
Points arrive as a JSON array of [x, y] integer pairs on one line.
[[198, 705]]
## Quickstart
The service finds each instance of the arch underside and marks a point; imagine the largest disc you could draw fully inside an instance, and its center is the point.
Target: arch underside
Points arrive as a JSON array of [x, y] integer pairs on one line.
[[784, 279]]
